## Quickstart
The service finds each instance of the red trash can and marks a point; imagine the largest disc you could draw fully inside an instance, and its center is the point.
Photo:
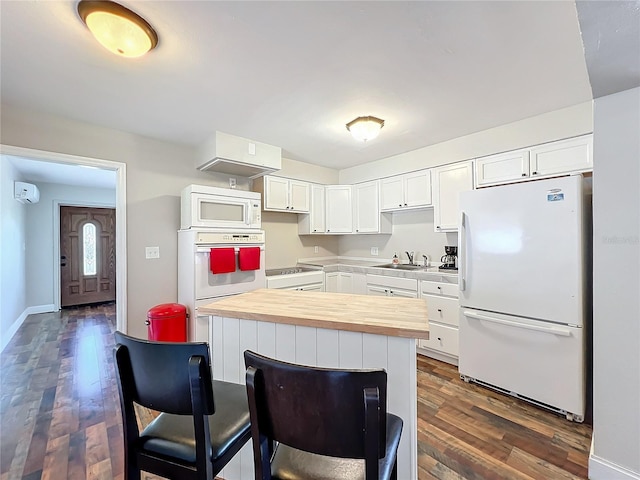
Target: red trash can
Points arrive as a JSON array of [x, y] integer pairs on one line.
[[167, 323]]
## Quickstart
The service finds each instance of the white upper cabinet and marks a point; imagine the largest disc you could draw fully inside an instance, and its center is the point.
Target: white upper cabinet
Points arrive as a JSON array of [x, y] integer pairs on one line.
[[314, 223], [502, 168], [410, 190], [549, 159], [316, 209], [448, 182], [285, 195], [565, 156], [366, 209], [339, 213]]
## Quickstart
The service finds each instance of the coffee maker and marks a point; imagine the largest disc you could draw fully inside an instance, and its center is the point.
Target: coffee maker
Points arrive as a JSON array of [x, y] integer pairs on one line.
[[449, 261]]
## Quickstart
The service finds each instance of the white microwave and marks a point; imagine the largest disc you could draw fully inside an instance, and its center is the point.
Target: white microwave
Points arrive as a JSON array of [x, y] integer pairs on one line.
[[202, 206]]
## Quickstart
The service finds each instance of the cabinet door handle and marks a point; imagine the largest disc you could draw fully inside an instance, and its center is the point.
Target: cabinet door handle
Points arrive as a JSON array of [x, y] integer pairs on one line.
[[405, 204], [524, 174], [534, 173], [399, 204], [440, 310], [439, 339]]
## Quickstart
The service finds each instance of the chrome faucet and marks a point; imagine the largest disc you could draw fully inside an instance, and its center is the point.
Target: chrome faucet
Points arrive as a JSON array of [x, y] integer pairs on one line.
[[410, 255], [426, 260]]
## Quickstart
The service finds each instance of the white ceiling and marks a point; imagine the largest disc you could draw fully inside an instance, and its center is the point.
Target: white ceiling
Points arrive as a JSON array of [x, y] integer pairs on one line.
[[292, 74], [64, 174]]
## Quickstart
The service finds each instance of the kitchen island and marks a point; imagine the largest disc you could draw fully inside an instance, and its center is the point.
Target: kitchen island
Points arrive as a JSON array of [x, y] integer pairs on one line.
[[323, 329]]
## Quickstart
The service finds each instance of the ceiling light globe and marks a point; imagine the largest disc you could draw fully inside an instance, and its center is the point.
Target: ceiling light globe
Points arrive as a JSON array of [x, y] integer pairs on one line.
[[365, 128], [117, 28], [118, 35]]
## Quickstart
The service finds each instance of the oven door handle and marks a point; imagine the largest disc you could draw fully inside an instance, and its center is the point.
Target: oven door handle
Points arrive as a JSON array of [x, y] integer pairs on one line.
[[207, 249]]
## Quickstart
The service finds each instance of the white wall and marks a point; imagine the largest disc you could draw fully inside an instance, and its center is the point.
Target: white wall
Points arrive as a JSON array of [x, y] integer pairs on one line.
[[40, 234], [616, 271], [12, 254], [284, 247], [156, 173]]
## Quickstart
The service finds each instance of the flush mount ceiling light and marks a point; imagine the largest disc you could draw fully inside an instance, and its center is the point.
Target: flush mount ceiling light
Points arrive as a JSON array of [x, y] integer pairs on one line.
[[365, 128], [117, 28]]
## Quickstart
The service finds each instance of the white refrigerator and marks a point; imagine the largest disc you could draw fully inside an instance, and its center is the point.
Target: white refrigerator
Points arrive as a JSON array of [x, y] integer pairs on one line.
[[524, 273]]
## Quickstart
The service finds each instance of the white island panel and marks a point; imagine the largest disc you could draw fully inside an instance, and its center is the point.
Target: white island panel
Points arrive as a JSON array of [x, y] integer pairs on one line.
[[323, 348]]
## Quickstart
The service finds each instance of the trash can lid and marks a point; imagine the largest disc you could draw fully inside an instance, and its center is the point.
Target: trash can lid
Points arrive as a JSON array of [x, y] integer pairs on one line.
[[166, 309]]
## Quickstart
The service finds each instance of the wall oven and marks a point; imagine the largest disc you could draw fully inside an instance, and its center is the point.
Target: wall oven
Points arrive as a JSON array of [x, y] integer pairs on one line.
[[202, 206], [240, 268]]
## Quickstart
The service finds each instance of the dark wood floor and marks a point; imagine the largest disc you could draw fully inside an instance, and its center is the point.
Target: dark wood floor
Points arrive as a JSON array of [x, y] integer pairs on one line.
[[60, 418]]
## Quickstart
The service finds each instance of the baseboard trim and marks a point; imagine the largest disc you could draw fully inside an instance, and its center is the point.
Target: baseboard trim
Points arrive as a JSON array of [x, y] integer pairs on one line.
[[601, 469], [443, 357], [41, 309], [6, 338]]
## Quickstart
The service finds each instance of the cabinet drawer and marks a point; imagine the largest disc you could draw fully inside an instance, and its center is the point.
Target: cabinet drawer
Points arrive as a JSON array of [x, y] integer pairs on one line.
[[442, 338], [393, 282], [441, 309], [437, 288]]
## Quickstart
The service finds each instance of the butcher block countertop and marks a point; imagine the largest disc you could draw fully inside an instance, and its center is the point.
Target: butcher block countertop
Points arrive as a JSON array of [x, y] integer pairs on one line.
[[391, 316]]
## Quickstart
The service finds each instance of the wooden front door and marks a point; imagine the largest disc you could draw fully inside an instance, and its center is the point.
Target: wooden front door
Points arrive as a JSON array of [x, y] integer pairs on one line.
[[87, 255]]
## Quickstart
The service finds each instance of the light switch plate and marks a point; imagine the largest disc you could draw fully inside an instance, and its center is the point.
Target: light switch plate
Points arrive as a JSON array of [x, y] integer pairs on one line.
[[152, 252], [315, 249], [374, 251]]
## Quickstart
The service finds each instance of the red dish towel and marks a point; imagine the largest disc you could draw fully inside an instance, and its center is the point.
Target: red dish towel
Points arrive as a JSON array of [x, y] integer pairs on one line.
[[222, 260], [249, 258]]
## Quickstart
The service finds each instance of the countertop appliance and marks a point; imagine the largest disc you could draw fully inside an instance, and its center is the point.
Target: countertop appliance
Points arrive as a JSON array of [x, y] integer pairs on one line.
[[272, 272], [524, 291], [449, 261]]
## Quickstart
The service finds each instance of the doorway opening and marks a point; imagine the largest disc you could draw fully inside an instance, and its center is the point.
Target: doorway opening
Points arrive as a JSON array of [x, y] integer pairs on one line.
[[87, 255], [119, 168]]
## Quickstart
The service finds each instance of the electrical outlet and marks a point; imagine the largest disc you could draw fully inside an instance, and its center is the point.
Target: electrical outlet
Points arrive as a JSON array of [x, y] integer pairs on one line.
[[315, 249], [374, 251], [232, 182], [152, 252]]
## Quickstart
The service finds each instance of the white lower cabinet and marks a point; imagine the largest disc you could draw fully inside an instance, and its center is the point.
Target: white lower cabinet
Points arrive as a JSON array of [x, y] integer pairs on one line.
[[442, 311], [442, 339], [339, 282], [392, 286], [346, 282]]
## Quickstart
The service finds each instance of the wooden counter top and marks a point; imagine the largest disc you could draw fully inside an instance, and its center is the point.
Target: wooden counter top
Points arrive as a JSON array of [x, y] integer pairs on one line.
[[392, 316]]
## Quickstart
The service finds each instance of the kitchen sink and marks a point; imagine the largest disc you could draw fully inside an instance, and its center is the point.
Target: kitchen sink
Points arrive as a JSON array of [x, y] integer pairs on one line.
[[401, 266]]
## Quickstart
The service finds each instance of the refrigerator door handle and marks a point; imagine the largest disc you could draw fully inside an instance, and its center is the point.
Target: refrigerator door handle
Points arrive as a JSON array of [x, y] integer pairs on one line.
[[462, 254], [562, 332]]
